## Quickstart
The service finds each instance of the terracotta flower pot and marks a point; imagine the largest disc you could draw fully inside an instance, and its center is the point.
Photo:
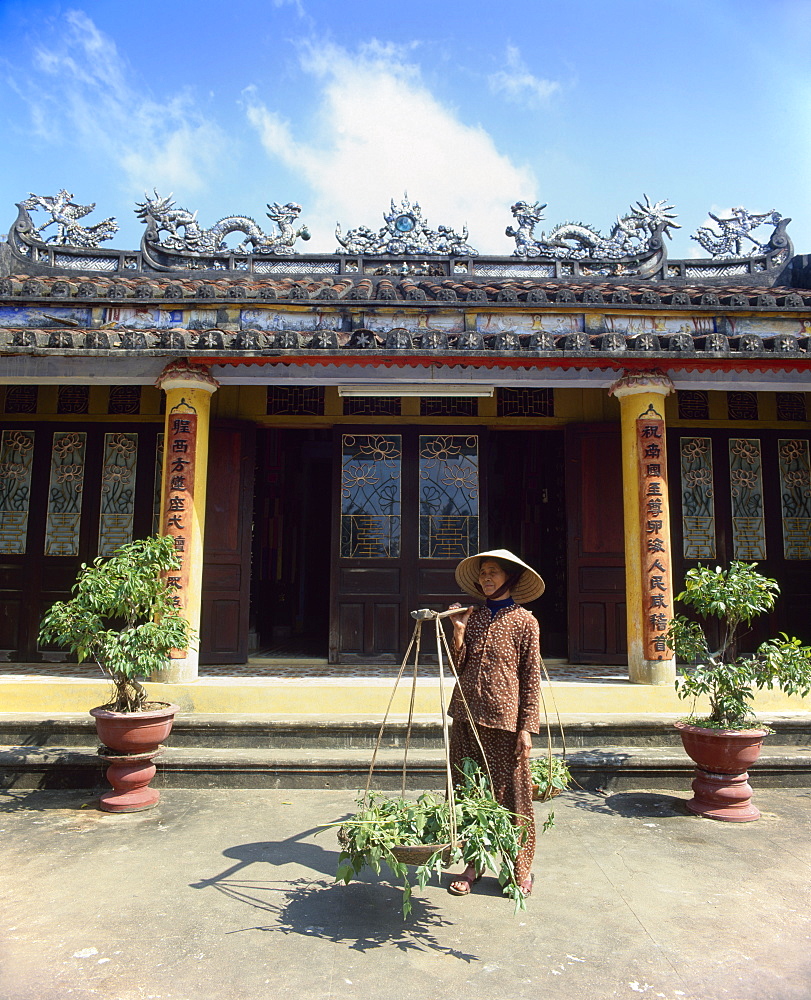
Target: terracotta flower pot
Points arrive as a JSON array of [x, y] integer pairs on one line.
[[134, 732], [721, 787], [131, 740]]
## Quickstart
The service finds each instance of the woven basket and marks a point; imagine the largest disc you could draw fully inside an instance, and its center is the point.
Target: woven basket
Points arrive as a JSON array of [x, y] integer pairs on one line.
[[549, 793], [412, 854], [418, 854]]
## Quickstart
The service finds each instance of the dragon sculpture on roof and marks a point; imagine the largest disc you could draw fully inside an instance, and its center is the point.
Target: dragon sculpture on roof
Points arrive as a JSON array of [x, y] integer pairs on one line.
[[65, 214], [631, 235], [736, 229], [162, 216]]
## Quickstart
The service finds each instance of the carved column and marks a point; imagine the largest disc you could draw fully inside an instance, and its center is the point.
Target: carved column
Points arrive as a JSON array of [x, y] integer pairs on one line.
[[188, 391], [648, 580]]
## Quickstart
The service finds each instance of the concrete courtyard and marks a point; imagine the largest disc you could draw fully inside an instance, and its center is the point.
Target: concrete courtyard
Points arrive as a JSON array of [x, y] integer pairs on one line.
[[229, 895]]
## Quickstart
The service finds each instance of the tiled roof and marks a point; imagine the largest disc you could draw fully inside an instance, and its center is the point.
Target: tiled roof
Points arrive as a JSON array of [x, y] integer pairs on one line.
[[414, 291]]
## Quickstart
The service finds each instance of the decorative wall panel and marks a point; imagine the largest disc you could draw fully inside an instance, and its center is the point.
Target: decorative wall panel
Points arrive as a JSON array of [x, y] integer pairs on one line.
[[156, 495], [746, 488], [526, 402], [697, 496], [117, 508], [694, 404], [791, 406], [21, 398], [65, 493], [449, 406], [449, 496], [16, 459], [73, 399], [795, 493], [295, 400], [124, 399], [742, 405], [370, 496], [372, 406]]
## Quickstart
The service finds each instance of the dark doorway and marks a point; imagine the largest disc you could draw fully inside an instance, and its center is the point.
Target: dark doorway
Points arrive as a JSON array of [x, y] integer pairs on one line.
[[596, 544], [527, 515], [291, 546]]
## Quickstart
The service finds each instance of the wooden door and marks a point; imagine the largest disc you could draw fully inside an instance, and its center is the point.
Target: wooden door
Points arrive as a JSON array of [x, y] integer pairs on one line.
[[596, 547], [408, 506], [227, 549]]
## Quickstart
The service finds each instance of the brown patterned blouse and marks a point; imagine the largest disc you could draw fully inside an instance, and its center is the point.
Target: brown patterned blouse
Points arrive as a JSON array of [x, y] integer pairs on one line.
[[499, 667]]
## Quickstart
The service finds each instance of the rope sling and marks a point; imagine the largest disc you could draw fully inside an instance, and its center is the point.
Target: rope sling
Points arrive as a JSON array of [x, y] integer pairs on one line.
[[416, 854]]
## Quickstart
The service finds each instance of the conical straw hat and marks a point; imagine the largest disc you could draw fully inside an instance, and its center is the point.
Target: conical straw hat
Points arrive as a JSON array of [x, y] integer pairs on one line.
[[529, 587]]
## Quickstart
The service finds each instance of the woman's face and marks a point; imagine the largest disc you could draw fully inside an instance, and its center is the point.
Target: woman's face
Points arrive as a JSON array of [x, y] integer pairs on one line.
[[491, 577]]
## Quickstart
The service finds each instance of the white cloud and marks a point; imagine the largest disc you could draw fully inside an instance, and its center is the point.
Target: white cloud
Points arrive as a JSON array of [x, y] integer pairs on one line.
[[380, 133], [83, 88], [517, 84]]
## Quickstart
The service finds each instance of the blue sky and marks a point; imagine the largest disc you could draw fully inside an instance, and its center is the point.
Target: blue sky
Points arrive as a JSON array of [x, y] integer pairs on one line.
[[341, 105]]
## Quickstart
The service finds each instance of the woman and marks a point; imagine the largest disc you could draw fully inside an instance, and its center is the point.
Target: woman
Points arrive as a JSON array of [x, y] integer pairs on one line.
[[497, 656]]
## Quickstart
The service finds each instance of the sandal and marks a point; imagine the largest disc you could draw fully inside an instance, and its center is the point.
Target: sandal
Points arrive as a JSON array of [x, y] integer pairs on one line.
[[466, 880], [525, 887]]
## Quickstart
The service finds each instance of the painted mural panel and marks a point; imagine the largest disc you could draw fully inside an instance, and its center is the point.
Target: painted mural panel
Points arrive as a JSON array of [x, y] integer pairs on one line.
[[44, 317], [562, 324], [270, 320], [370, 496], [697, 492], [145, 317], [16, 461], [746, 488], [65, 493], [117, 491], [446, 322], [449, 496], [795, 494]]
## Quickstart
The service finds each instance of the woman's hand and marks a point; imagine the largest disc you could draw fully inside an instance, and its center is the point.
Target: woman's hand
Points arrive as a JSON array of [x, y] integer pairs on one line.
[[523, 744], [460, 620], [459, 624]]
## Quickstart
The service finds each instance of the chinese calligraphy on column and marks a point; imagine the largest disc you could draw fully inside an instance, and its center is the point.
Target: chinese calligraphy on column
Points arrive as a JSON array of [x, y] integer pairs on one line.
[[655, 534], [180, 451]]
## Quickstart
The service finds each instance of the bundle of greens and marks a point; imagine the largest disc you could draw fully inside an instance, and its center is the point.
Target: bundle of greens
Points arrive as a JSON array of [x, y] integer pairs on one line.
[[551, 775], [484, 829]]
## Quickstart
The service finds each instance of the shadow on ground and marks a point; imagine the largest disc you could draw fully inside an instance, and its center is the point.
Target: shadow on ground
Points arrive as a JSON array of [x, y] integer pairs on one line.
[[42, 799], [363, 915], [630, 804]]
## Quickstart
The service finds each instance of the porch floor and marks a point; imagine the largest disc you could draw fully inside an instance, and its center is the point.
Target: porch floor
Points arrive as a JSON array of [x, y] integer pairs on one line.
[[272, 665], [295, 688]]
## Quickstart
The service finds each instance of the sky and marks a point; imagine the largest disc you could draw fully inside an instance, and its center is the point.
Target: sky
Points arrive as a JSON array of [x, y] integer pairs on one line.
[[342, 105]]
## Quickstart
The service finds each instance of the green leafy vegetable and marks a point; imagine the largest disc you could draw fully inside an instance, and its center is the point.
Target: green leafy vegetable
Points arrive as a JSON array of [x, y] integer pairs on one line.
[[485, 829]]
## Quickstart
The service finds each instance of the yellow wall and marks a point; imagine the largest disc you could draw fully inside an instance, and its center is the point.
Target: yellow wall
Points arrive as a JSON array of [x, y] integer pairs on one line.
[[248, 402]]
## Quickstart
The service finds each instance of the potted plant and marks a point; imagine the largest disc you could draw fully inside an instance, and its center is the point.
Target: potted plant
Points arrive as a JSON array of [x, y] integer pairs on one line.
[[122, 616], [403, 832], [728, 740]]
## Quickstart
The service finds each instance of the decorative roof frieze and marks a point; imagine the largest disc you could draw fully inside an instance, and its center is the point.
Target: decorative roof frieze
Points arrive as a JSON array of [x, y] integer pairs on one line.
[[174, 242]]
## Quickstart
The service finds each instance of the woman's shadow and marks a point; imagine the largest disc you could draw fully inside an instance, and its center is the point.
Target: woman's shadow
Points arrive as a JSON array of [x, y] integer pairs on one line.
[[363, 915]]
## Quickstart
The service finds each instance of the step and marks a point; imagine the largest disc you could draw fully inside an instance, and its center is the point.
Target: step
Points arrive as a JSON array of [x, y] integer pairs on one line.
[[180, 767], [247, 730]]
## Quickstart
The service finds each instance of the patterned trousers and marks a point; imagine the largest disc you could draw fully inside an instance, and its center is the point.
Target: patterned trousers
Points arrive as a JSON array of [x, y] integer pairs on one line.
[[512, 783]]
